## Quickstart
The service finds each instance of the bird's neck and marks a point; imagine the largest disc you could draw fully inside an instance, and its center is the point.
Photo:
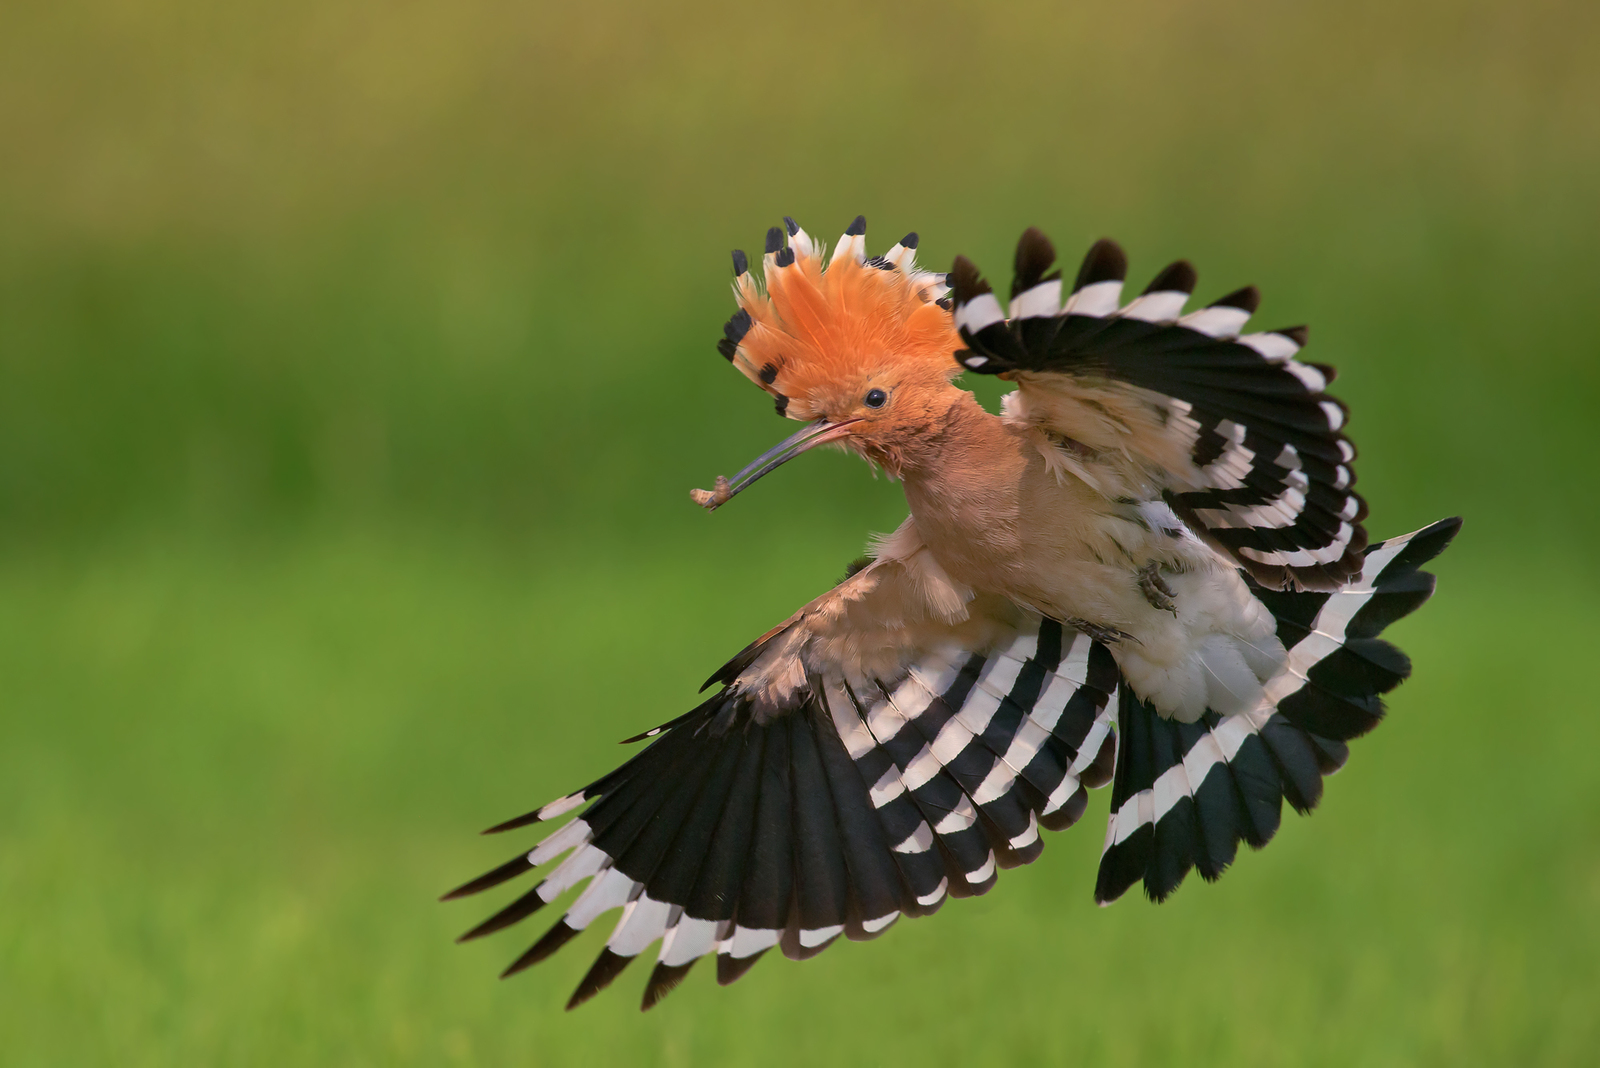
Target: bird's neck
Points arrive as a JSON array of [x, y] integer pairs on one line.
[[966, 473], [960, 443], [965, 487]]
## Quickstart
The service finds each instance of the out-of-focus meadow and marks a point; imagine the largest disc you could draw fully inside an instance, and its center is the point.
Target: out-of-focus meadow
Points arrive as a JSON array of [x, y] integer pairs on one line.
[[356, 360]]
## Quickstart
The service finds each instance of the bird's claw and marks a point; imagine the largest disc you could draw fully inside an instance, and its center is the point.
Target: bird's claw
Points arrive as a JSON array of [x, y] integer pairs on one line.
[[1155, 589], [1104, 635]]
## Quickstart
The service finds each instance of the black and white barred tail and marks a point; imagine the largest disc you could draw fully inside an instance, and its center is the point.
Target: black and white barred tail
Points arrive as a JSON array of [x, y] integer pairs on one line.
[[739, 829], [1185, 794]]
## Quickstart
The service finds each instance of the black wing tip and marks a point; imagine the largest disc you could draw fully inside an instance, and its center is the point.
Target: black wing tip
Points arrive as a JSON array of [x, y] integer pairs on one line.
[[512, 868], [736, 664], [1105, 262], [1424, 545], [1069, 813], [858, 227], [1035, 255], [663, 981], [731, 969], [791, 946], [1247, 300], [1298, 334], [662, 728], [774, 240], [1331, 753], [1123, 865], [605, 968], [1176, 277], [512, 914], [790, 225], [741, 262], [1158, 888], [552, 940], [855, 567], [1429, 541], [965, 282], [910, 241], [1447, 528], [527, 819]]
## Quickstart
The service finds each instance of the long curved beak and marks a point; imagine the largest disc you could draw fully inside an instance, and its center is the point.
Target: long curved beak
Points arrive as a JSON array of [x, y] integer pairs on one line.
[[819, 433]]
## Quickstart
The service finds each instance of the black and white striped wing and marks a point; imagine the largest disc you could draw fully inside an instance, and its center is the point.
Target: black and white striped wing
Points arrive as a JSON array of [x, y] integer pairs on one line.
[[744, 827], [1185, 794], [1262, 468]]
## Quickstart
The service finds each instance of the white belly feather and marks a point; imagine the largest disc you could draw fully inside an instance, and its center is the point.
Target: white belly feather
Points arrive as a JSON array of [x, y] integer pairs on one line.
[[1056, 544]]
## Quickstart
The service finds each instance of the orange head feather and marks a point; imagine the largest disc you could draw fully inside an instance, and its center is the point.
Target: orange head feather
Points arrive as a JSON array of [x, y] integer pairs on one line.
[[864, 345]]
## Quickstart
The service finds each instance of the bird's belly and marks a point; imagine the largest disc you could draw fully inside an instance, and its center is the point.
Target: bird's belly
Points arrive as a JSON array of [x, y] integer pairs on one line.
[[1204, 643], [1081, 579], [1063, 554]]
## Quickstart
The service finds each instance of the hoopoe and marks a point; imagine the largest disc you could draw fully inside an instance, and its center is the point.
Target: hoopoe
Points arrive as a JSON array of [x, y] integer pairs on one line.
[[1150, 570]]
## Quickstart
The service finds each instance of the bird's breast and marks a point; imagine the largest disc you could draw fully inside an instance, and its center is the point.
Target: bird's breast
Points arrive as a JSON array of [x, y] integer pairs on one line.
[[1005, 523]]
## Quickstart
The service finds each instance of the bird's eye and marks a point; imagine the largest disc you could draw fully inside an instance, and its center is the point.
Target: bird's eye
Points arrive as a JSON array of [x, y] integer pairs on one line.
[[876, 398]]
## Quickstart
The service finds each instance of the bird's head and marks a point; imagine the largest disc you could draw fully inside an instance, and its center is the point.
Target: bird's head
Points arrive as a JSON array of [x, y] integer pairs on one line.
[[859, 349]]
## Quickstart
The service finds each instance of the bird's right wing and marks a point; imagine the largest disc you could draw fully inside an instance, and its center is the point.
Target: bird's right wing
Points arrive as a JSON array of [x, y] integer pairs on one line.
[[1237, 433], [900, 739], [893, 743]]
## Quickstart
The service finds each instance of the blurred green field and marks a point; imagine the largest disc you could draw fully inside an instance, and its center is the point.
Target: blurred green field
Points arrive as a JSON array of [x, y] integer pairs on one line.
[[355, 361]]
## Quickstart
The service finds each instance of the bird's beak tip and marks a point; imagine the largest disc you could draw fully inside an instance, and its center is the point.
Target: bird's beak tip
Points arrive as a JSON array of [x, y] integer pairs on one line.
[[814, 434]]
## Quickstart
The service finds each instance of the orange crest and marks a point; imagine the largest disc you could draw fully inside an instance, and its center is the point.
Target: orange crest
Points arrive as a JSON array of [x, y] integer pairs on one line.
[[813, 329]]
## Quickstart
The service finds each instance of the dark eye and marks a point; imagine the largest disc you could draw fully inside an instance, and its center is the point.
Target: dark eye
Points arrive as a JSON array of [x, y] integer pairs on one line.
[[876, 398]]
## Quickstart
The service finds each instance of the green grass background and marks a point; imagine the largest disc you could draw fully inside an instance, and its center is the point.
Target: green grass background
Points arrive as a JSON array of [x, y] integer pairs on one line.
[[355, 361]]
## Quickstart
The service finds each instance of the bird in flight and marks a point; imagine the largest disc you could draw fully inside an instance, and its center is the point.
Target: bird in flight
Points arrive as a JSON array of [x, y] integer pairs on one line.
[[1149, 570]]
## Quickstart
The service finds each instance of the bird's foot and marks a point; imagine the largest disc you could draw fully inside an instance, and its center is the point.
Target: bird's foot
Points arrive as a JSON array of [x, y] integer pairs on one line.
[[1102, 634], [1155, 589]]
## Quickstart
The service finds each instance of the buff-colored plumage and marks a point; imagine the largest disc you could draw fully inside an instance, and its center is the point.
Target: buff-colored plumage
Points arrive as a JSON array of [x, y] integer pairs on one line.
[[1146, 570], [998, 506]]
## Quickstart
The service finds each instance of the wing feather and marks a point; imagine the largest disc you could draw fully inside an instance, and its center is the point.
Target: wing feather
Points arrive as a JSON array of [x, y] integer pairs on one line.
[[863, 761], [872, 756], [1238, 433]]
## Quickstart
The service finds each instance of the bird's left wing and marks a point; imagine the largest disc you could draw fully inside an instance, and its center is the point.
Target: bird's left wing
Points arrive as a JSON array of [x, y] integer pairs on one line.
[[893, 743], [1138, 399]]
